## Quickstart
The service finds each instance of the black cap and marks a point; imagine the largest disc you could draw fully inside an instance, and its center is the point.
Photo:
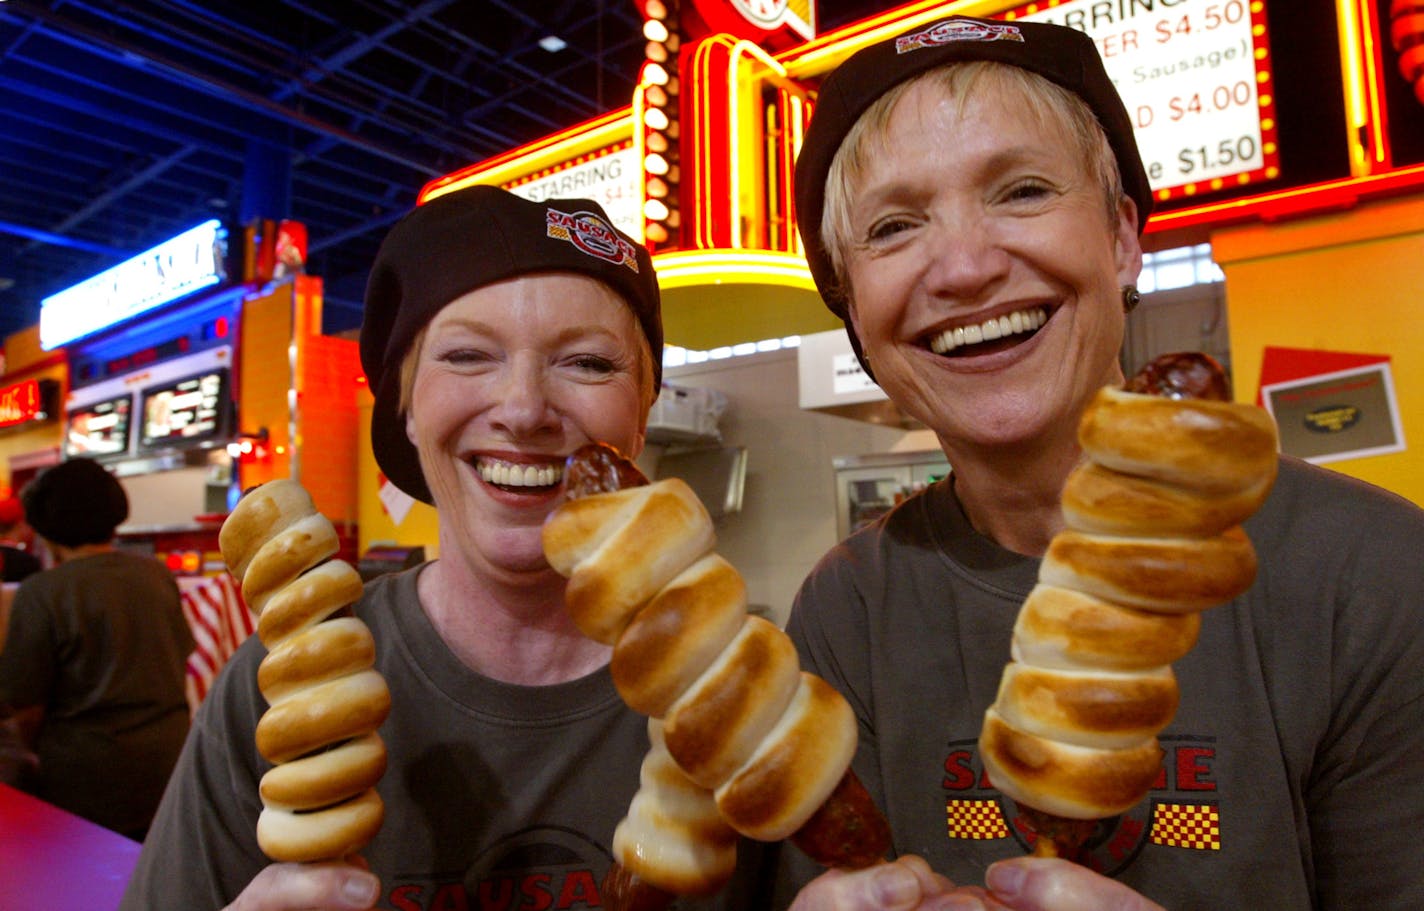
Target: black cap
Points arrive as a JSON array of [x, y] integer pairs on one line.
[[465, 240], [75, 503], [1060, 54]]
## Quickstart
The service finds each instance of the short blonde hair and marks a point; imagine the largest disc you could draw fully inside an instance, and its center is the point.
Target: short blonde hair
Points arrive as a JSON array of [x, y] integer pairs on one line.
[[1048, 102]]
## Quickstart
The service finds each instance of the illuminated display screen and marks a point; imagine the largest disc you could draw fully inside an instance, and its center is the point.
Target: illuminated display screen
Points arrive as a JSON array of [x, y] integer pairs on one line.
[[184, 330], [99, 429], [175, 268], [1196, 77], [30, 400], [185, 412]]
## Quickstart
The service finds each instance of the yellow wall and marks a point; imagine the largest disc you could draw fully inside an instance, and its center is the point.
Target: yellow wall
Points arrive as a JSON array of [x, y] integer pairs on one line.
[[327, 369], [264, 376], [25, 360], [1348, 282], [419, 526]]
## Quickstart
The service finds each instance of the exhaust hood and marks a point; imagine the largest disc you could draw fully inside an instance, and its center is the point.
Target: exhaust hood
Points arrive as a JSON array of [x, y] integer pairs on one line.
[[833, 382]]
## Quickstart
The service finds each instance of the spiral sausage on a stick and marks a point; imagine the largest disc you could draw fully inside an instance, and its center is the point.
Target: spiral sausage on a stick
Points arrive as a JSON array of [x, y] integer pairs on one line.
[[739, 731], [1152, 539], [325, 698]]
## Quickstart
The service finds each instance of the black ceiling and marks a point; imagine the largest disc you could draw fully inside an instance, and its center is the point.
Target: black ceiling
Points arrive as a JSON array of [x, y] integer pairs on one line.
[[126, 123]]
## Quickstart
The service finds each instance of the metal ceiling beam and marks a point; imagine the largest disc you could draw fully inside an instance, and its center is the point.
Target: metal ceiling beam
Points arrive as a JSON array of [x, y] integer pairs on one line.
[[108, 197], [59, 240], [62, 29], [336, 62], [336, 65]]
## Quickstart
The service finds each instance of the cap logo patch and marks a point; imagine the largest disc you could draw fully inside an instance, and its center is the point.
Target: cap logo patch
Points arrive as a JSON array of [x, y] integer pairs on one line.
[[592, 235], [942, 33]]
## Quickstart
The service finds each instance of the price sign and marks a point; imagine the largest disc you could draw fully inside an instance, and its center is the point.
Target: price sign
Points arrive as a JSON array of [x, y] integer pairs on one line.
[[1195, 77], [610, 179]]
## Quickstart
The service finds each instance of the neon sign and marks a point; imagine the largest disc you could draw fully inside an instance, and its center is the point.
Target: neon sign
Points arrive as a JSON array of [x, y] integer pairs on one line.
[[609, 178], [31, 400], [776, 24], [1197, 82], [175, 268]]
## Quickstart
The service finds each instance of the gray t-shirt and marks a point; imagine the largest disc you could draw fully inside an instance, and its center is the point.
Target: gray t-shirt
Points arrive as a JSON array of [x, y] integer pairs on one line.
[[496, 795], [1291, 776]]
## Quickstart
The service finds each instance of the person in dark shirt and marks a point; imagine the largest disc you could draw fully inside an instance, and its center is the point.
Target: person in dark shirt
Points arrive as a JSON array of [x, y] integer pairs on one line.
[[94, 661], [970, 197]]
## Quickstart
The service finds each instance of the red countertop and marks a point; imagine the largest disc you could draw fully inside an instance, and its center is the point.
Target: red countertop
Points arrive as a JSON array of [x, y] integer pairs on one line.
[[53, 859]]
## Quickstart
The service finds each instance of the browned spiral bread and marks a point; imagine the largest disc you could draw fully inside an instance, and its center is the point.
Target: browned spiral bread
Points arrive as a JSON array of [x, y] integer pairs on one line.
[[739, 721], [673, 836], [325, 698], [1152, 539]]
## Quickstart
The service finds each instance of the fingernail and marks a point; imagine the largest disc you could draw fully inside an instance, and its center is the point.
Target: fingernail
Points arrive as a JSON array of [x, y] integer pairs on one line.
[[959, 903], [360, 888], [892, 884], [1005, 879]]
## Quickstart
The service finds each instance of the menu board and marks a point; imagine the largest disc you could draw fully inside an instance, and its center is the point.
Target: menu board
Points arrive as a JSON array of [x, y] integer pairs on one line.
[[98, 429], [1196, 78], [185, 412]]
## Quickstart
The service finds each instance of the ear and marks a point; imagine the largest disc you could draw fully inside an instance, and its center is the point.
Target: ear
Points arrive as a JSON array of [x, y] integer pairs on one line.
[[853, 317], [410, 427], [638, 443], [1127, 245]]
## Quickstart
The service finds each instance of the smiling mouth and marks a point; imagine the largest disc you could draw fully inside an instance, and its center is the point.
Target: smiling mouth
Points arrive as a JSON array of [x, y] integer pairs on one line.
[[1003, 330], [516, 476]]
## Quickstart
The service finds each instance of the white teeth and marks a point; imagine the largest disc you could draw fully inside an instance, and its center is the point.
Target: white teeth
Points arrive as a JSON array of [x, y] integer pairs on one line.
[[508, 474], [1000, 327]]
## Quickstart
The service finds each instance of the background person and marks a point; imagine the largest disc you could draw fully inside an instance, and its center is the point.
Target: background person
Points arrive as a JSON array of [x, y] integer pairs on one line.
[[93, 666], [970, 171]]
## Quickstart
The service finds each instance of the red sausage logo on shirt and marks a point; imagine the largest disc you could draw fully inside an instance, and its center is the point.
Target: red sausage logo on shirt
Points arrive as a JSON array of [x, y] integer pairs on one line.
[[1182, 811], [543, 868]]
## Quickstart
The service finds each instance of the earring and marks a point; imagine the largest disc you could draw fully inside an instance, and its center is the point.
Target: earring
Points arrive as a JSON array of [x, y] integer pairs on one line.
[[1130, 298]]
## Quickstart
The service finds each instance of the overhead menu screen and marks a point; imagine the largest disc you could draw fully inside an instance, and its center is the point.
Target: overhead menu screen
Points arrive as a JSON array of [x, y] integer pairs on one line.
[[1196, 77], [185, 412], [99, 429]]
